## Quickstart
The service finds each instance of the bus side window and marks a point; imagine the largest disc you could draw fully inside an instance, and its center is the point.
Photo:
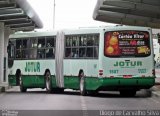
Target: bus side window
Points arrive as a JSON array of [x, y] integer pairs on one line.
[[18, 44], [68, 42], [41, 42], [25, 53], [73, 41], [50, 47], [82, 46], [90, 40], [33, 43], [50, 53], [82, 52], [18, 54], [26, 43], [95, 52], [96, 40], [68, 46], [83, 40], [75, 53], [50, 42], [68, 53], [90, 52], [41, 53]]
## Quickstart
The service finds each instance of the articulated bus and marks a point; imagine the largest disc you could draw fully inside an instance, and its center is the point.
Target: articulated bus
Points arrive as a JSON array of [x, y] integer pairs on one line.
[[116, 58]]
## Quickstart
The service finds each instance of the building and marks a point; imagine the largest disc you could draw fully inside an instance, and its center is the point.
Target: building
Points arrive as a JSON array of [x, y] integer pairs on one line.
[[15, 15]]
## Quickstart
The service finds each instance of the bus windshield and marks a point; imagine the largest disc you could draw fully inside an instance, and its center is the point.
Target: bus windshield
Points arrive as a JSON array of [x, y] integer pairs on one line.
[[127, 43]]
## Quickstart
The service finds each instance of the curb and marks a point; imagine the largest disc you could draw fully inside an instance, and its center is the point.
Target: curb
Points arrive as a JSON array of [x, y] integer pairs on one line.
[[155, 94], [155, 91], [157, 83], [2, 89]]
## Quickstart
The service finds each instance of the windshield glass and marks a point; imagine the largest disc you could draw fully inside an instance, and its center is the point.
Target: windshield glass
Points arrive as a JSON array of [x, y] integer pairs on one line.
[[11, 49]]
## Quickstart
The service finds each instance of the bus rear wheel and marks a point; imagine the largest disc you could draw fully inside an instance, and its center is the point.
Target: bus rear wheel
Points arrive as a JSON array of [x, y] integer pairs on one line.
[[58, 90], [48, 82], [128, 93], [92, 92], [83, 91]]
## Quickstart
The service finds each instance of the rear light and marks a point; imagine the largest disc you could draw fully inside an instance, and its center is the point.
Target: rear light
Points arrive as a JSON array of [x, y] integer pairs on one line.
[[127, 76], [111, 76], [153, 72], [101, 72]]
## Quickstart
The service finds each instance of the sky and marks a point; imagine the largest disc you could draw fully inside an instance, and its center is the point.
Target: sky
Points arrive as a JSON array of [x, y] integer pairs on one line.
[[68, 13]]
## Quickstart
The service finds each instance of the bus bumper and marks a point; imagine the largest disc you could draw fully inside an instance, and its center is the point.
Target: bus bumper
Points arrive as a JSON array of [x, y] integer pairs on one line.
[[119, 83]]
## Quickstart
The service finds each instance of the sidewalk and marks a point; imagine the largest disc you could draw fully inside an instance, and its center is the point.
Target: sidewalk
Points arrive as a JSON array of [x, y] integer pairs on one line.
[[3, 87], [156, 89], [158, 80]]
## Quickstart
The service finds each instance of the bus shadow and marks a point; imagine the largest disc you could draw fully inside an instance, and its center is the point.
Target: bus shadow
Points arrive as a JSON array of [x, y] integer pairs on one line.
[[16, 90], [41, 91], [70, 93], [108, 94], [112, 94], [101, 94], [31, 92]]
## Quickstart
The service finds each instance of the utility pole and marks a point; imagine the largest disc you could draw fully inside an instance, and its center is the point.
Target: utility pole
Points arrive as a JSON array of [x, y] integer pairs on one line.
[[54, 5]]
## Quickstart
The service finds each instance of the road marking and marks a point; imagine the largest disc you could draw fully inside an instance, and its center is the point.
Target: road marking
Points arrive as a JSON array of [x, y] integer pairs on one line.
[[84, 107]]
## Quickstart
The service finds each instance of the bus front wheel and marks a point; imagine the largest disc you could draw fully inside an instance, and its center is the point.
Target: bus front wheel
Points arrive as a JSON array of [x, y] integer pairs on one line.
[[22, 88], [48, 82]]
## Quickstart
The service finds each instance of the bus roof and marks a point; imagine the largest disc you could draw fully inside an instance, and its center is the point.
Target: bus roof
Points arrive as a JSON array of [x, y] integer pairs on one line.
[[82, 30]]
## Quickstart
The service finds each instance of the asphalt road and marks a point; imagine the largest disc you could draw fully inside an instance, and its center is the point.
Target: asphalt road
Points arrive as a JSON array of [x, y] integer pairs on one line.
[[38, 102]]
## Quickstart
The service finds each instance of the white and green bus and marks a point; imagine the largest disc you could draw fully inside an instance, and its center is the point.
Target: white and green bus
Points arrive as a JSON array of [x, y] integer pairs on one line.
[[116, 58]]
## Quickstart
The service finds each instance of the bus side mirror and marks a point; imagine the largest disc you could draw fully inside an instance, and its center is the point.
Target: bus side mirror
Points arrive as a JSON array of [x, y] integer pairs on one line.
[[11, 50], [158, 36]]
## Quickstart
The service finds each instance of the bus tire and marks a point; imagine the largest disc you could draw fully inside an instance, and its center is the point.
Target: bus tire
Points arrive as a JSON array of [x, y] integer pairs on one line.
[[48, 82], [83, 91], [92, 92], [58, 90], [22, 88], [128, 93], [18, 75]]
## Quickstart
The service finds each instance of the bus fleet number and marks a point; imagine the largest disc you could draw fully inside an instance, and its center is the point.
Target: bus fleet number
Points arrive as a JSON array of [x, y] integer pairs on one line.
[[113, 71], [142, 70]]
